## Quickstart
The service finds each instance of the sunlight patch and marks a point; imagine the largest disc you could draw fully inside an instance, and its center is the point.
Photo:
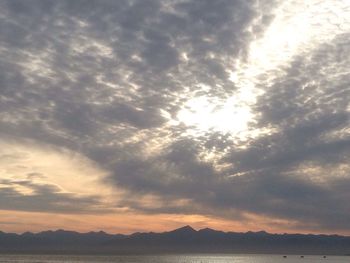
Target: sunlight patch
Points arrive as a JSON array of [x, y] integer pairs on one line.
[[210, 114]]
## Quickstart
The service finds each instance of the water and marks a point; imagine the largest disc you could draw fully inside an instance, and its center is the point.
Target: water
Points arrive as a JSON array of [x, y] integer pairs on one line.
[[199, 258]]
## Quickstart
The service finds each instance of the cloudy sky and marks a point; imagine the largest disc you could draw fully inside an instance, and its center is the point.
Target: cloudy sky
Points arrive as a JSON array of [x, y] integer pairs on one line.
[[148, 115]]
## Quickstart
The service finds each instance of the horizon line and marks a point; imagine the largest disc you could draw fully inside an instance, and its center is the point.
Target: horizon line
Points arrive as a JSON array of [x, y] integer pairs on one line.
[[167, 231]]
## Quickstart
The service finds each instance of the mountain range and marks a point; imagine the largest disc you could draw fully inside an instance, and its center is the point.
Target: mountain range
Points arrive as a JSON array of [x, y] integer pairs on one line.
[[181, 240]]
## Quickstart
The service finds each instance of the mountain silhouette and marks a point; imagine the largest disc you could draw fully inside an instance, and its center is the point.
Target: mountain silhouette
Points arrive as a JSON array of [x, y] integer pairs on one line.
[[185, 230], [181, 240]]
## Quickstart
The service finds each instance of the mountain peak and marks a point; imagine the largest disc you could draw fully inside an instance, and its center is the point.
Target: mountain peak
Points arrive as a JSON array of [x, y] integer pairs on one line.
[[185, 229]]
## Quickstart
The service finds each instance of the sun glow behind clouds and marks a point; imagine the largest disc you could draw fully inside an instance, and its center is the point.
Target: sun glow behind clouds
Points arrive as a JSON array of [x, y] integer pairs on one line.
[[298, 28], [212, 114]]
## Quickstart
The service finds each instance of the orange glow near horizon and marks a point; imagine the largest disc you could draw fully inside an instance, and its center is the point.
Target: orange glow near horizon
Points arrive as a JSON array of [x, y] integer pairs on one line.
[[128, 223]]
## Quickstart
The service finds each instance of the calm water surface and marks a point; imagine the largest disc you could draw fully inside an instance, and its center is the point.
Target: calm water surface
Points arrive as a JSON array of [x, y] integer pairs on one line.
[[171, 259]]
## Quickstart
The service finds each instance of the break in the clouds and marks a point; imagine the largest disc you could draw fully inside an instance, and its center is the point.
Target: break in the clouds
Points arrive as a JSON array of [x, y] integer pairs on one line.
[[235, 110]]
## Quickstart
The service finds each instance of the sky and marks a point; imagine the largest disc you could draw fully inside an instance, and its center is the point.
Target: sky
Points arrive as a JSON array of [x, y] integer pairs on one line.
[[148, 115]]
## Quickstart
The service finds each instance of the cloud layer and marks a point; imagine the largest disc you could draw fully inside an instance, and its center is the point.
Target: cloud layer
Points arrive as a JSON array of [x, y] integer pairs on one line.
[[108, 80]]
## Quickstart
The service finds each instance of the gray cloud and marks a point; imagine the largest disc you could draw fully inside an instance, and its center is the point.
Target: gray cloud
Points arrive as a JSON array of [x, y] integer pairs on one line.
[[45, 198], [104, 77]]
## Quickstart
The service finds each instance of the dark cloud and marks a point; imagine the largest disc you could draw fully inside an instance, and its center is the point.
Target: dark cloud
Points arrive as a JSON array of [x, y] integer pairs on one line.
[[85, 69], [104, 77], [309, 122], [45, 198]]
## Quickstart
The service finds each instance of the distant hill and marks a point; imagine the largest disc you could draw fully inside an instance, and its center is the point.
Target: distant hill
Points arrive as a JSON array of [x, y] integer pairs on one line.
[[182, 240]]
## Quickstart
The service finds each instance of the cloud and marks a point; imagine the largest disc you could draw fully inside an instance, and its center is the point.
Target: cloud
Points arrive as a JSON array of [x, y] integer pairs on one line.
[[45, 197], [105, 81]]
